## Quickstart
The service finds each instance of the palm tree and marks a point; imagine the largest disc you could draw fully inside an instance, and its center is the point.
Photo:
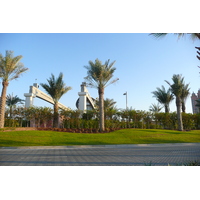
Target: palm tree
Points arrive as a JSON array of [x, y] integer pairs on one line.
[[109, 103], [10, 69], [12, 101], [56, 88], [99, 76], [176, 88], [184, 96], [29, 114], [108, 106], [163, 97], [155, 108], [19, 114], [46, 115]]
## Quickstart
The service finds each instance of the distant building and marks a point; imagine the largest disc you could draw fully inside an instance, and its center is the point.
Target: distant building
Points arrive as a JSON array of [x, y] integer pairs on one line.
[[195, 97]]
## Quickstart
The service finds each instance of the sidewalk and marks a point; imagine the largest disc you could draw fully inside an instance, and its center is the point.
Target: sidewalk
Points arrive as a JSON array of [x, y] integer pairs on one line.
[[101, 155]]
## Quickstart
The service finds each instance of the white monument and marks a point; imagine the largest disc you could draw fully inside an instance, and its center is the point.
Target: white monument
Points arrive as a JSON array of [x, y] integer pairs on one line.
[[85, 101], [35, 92]]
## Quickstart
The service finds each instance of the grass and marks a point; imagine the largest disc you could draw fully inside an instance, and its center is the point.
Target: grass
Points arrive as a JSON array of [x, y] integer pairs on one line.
[[123, 136]]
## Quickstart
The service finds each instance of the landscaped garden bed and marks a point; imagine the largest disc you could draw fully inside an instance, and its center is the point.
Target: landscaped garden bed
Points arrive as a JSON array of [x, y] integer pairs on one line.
[[78, 130]]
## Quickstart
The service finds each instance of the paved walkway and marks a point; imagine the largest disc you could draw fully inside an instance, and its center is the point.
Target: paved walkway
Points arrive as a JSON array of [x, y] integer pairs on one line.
[[101, 155]]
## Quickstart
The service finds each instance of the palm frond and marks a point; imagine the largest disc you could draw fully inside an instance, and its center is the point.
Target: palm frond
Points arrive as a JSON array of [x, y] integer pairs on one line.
[[13, 100], [178, 87], [56, 87], [193, 36], [158, 35], [155, 108], [11, 67], [99, 75]]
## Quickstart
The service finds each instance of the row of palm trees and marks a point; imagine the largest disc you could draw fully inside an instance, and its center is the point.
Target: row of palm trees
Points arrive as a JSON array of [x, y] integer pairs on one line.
[[99, 76]]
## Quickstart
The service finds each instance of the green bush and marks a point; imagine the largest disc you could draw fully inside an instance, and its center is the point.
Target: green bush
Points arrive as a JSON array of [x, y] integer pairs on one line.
[[11, 123]]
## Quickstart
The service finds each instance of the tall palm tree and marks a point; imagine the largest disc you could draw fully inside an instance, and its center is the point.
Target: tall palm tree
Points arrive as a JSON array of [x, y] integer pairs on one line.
[[163, 97], [99, 76], [10, 68], [176, 88], [56, 88], [184, 96], [12, 101]]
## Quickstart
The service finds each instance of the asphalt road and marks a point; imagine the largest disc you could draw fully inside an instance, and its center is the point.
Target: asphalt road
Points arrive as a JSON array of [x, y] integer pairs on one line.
[[102, 155]]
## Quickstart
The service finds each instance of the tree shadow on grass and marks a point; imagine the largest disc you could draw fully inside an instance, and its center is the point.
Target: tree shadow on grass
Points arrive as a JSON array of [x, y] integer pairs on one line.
[[9, 143]]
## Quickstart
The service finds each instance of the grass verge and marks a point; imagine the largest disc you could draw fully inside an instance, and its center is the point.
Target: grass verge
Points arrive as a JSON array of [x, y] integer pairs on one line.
[[123, 136]]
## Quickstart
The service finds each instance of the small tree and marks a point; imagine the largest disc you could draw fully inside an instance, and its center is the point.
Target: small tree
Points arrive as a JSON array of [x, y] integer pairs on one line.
[[46, 115], [155, 108], [12, 101], [109, 106], [164, 97]]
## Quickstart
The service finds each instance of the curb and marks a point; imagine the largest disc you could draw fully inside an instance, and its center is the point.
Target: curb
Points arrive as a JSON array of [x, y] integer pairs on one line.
[[104, 146]]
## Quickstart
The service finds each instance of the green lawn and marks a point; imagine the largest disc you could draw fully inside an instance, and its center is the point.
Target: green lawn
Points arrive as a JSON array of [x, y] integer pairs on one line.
[[123, 136]]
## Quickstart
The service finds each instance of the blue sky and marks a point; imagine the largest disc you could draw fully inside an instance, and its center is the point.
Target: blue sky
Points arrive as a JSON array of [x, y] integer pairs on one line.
[[142, 62]]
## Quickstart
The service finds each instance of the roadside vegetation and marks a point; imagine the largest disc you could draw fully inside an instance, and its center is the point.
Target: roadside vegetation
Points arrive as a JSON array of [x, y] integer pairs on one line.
[[42, 117]]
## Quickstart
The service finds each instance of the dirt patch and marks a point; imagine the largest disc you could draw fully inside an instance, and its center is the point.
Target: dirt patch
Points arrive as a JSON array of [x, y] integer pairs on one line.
[[25, 128], [20, 129]]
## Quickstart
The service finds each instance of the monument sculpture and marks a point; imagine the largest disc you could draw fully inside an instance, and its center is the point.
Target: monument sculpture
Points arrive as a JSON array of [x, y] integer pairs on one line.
[[85, 101], [35, 92]]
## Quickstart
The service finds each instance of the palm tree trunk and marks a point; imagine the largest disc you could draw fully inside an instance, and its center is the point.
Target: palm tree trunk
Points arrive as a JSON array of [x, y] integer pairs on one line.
[[101, 109], [3, 103], [183, 107], [10, 112], [179, 115], [166, 109], [55, 117]]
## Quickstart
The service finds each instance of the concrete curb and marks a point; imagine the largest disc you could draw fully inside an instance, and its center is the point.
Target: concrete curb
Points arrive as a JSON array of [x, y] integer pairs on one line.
[[104, 146]]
